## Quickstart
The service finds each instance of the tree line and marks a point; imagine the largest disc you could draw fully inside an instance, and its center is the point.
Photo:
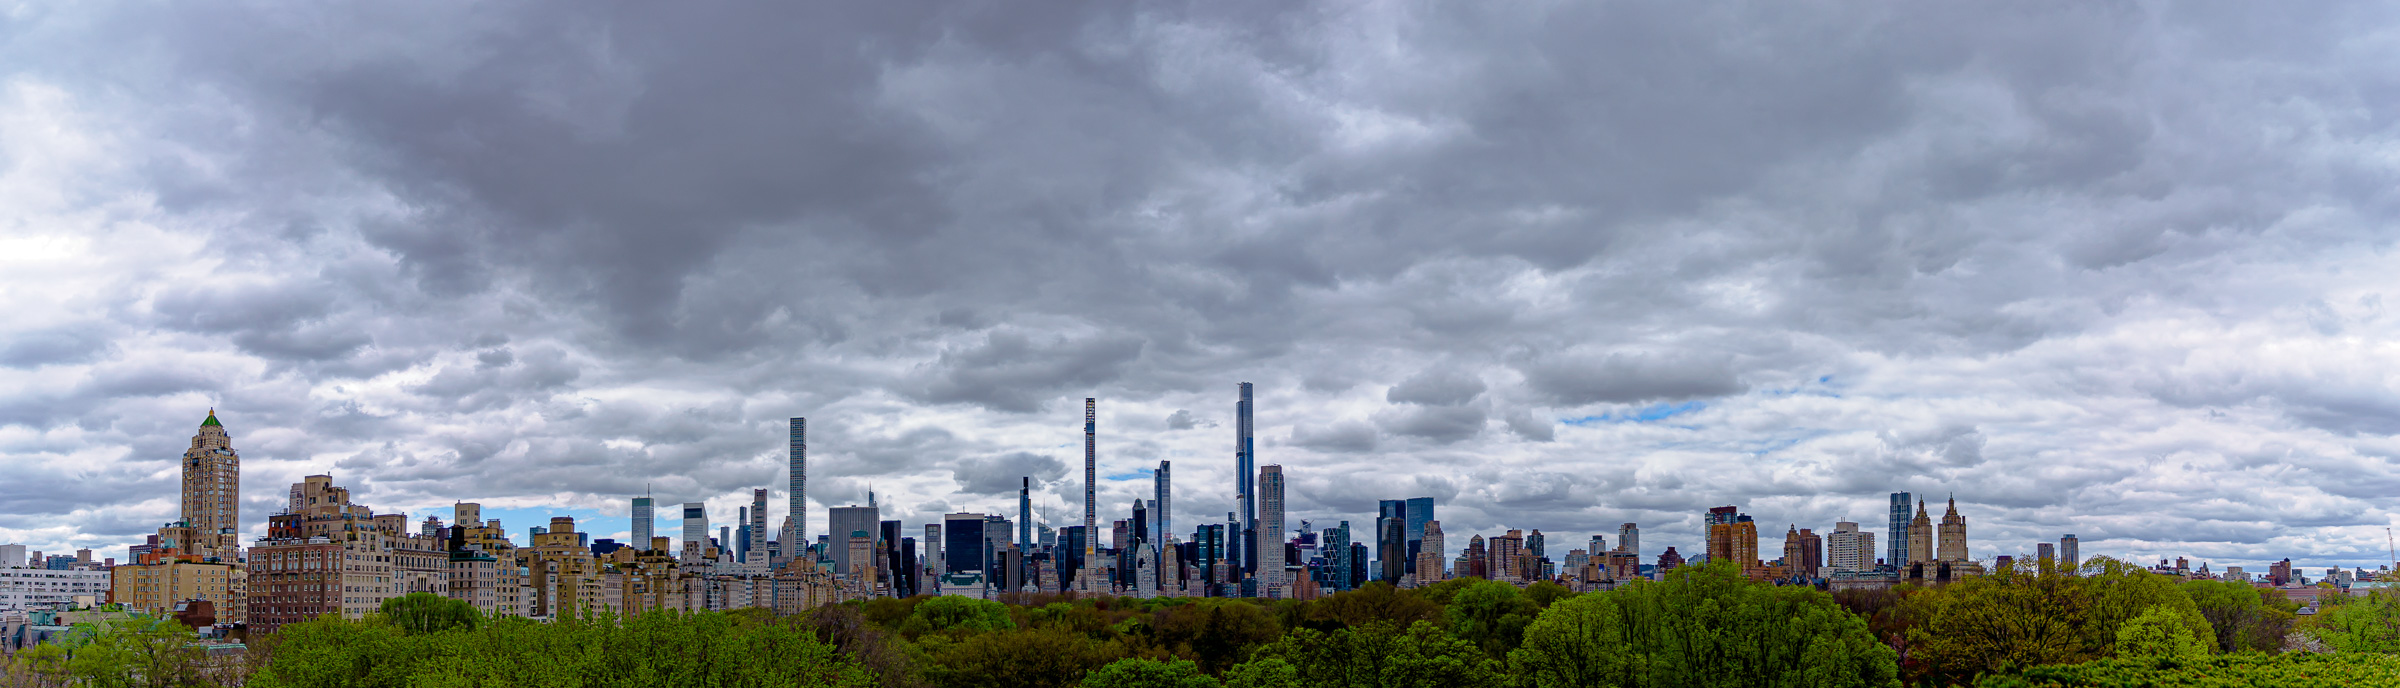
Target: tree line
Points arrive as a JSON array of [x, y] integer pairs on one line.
[[1702, 626]]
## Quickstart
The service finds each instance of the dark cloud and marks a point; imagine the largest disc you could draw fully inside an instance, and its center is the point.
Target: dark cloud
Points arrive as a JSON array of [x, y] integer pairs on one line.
[[1630, 378], [1786, 257]]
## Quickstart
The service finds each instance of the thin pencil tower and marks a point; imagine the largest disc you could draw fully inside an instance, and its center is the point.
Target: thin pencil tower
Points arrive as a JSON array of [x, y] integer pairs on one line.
[[796, 534], [1245, 475], [1091, 477]]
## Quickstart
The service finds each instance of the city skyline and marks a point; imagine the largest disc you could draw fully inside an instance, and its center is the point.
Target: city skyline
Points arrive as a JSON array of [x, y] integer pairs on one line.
[[2120, 272]]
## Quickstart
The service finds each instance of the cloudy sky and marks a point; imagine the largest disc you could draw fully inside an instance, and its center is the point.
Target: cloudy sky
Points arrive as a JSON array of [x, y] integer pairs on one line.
[[2115, 269]]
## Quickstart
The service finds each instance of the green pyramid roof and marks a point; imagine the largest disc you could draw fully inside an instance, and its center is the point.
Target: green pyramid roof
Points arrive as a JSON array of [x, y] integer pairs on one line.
[[212, 419]]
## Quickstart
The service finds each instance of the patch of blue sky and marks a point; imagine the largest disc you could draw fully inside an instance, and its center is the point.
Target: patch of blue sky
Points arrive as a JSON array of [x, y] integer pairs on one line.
[[1137, 474], [1647, 414]]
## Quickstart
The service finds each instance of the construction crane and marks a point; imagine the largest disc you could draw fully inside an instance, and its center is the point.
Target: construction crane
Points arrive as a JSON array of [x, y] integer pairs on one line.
[[2394, 551]]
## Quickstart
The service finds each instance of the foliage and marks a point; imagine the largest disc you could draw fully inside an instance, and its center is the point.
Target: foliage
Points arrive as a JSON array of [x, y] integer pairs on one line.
[[652, 649], [965, 613], [1380, 601], [1703, 626], [2244, 617], [2214, 671], [1376, 655], [139, 652], [2368, 624], [1137, 672], [1491, 615], [424, 612], [1545, 593], [1033, 658], [2160, 632], [2018, 618]]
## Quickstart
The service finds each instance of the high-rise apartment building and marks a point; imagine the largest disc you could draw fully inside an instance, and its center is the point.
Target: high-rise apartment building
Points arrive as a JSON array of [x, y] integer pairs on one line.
[[1429, 555], [1629, 540], [1089, 580], [1920, 537], [1803, 552], [1898, 529], [212, 494], [645, 522], [1162, 491], [2045, 553], [2068, 556], [1245, 471], [757, 526], [1025, 513], [1270, 529], [1849, 548], [1954, 535]]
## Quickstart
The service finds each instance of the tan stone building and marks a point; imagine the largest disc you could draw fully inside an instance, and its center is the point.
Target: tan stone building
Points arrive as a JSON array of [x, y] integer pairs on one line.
[[212, 494], [155, 585]]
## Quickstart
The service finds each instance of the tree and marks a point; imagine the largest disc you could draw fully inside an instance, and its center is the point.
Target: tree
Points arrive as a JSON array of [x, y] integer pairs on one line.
[[2243, 616], [1138, 672], [2160, 632], [145, 652], [1380, 601], [1703, 626], [1546, 593], [2369, 624], [424, 612], [1032, 658], [1492, 615], [951, 611], [1376, 655]]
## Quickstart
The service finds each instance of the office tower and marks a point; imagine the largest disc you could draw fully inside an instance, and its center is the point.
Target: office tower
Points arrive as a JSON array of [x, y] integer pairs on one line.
[[1920, 537], [1535, 544], [1163, 491], [1898, 529], [1140, 523], [1270, 527], [888, 543], [695, 528], [845, 522], [1025, 513], [645, 524], [1395, 510], [1429, 554], [212, 493], [1210, 541], [2044, 552], [1391, 547], [1954, 534], [933, 548], [1337, 556], [1417, 512], [741, 542], [909, 568], [1245, 470], [724, 533], [996, 534], [795, 537], [2067, 555], [963, 544], [757, 525], [1629, 540], [1849, 549]]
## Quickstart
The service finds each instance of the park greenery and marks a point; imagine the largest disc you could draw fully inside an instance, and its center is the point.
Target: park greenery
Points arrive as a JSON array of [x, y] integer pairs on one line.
[[2109, 624]]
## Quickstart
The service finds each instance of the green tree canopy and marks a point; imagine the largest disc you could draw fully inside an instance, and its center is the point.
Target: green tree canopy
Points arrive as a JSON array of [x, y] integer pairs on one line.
[[1703, 626], [424, 612], [1137, 672]]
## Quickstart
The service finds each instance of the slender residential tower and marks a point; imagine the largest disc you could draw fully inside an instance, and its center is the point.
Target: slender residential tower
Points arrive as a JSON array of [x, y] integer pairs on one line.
[[1245, 472], [795, 537], [757, 525], [1025, 515], [1163, 490], [1270, 531], [1091, 476]]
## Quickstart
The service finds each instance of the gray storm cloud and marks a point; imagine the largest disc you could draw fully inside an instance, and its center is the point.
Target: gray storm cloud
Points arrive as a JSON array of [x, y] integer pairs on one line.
[[1563, 267]]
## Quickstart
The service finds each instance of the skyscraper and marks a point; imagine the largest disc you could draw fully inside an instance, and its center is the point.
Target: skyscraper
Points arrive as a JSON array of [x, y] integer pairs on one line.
[[1954, 535], [1419, 512], [757, 526], [695, 527], [2045, 552], [1849, 548], [1025, 513], [212, 493], [1270, 528], [1163, 491], [1091, 482], [2067, 555], [963, 544], [741, 541], [795, 536], [1429, 554], [645, 524], [1900, 503], [1245, 470], [1392, 549], [845, 522], [1920, 537], [1629, 540]]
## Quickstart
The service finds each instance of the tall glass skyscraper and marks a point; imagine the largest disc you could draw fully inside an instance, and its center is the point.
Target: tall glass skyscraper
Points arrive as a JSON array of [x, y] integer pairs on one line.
[[1419, 513], [695, 525], [1902, 505], [1245, 473], [645, 525]]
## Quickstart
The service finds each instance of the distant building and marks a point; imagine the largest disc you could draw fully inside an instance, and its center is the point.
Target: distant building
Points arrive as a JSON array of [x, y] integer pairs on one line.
[[1899, 529], [2068, 557], [1850, 549]]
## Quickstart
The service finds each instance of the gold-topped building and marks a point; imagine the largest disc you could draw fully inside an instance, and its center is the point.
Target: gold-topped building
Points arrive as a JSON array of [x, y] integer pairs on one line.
[[212, 494]]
